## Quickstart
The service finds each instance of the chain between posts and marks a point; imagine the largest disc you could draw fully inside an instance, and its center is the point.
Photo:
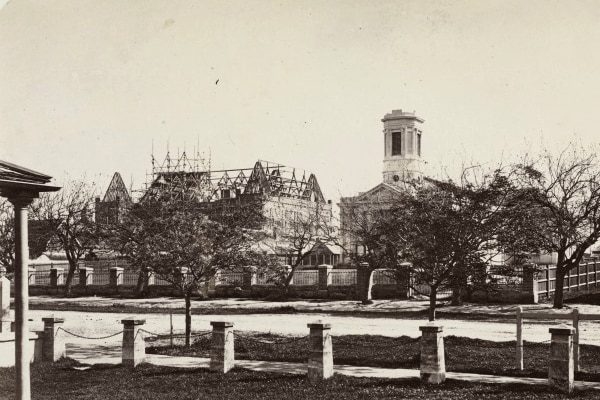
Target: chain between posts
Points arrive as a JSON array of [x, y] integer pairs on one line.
[[166, 335], [87, 337]]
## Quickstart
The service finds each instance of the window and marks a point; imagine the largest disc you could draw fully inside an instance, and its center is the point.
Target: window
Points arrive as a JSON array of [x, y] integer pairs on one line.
[[419, 144], [396, 143]]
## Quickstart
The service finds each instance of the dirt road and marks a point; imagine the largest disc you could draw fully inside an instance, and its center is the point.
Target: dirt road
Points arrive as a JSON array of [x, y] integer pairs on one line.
[[102, 324]]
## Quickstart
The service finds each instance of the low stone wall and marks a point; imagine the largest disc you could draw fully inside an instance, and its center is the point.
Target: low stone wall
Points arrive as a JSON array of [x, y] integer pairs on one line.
[[508, 296], [347, 292], [105, 290]]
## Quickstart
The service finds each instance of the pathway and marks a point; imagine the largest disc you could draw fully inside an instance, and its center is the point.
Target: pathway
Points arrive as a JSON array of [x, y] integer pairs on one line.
[[88, 355]]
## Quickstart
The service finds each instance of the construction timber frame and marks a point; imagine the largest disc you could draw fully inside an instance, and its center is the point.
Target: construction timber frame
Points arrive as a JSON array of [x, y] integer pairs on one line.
[[187, 178]]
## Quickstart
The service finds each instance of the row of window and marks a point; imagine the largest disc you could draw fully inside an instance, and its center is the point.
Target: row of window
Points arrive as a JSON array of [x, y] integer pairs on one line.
[[397, 143], [316, 259]]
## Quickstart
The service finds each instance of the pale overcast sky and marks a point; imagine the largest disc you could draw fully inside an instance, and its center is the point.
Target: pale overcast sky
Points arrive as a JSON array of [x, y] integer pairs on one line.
[[88, 86]]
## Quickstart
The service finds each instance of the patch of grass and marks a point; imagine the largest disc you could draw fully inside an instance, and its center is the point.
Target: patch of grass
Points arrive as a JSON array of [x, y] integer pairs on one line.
[[61, 382], [462, 354]]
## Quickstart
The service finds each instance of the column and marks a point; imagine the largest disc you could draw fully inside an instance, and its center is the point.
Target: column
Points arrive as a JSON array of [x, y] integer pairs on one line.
[[222, 358], [433, 364], [22, 358], [53, 343], [320, 356], [561, 369], [134, 347]]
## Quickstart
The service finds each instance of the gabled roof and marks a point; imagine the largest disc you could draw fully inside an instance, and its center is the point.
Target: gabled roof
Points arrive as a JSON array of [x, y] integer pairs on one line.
[[117, 189]]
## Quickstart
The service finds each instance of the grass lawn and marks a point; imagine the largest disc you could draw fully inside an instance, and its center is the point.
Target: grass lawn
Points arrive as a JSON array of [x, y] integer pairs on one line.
[[462, 354], [60, 381]]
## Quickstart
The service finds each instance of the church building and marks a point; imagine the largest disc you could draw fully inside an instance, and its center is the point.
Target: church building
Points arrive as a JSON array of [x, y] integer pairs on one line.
[[402, 166]]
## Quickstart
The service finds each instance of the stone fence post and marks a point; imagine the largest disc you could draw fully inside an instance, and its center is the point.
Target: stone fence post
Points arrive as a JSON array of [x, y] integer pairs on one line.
[[433, 364], [5, 317], [288, 271], [148, 278], [86, 276], [320, 356], [31, 275], [57, 277], [561, 369], [403, 281], [249, 278], [222, 358], [364, 282], [530, 284], [324, 276], [115, 277], [53, 343], [134, 346]]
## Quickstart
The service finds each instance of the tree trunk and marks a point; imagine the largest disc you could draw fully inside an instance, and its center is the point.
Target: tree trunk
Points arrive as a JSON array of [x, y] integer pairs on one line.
[[559, 287], [188, 319], [457, 296], [432, 303], [139, 287], [559, 284], [69, 281]]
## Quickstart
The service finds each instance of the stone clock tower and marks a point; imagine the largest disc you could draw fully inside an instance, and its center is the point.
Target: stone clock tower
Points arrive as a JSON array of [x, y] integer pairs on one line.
[[402, 157]]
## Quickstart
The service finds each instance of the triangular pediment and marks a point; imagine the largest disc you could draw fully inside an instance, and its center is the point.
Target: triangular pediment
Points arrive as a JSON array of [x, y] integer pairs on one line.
[[381, 192]]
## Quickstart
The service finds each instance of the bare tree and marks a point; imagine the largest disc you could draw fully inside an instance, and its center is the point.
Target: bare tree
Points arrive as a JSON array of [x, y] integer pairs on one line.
[[370, 238], [564, 192], [307, 226], [68, 217], [7, 235], [186, 242]]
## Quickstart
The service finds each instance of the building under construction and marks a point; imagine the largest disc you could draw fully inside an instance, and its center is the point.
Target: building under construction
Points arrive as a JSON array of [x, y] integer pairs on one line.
[[287, 193]]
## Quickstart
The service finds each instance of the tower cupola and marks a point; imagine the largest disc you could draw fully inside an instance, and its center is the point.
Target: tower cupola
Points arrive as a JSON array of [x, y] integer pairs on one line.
[[402, 160]]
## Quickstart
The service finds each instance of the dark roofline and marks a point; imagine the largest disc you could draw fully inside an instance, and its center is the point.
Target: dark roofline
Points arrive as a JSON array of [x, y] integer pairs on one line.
[[28, 174]]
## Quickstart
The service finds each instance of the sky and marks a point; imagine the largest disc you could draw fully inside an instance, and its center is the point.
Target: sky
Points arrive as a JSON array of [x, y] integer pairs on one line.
[[88, 88]]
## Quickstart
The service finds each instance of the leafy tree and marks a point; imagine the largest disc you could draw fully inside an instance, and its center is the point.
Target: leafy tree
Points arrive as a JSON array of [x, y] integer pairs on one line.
[[186, 242], [67, 221], [564, 191]]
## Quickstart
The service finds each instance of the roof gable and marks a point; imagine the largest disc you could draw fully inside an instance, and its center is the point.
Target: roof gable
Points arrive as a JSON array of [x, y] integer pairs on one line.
[[117, 190]]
